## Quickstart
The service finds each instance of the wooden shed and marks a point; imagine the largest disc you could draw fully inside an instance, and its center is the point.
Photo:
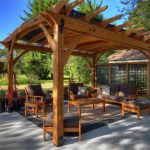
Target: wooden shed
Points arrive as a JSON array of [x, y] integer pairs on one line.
[[125, 66]]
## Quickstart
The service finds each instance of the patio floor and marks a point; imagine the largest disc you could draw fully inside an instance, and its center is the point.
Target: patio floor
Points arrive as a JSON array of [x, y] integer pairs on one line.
[[18, 133]]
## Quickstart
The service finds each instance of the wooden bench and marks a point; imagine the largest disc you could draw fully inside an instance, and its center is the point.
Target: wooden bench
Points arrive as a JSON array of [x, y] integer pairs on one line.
[[136, 106], [71, 123]]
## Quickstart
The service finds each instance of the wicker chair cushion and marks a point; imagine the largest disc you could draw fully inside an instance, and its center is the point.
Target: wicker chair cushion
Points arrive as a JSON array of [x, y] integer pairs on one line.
[[35, 90], [113, 98], [70, 121], [127, 89], [143, 104], [80, 96], [74, 87]]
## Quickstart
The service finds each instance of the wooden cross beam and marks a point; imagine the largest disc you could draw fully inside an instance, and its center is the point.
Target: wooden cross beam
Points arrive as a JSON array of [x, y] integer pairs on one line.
[[120, 27], [94, 13], [106, 22], [72, 5]]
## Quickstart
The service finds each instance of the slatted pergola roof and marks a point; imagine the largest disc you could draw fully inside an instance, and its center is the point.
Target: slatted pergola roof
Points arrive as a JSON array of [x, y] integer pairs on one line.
[[64, 31], [91, 35]]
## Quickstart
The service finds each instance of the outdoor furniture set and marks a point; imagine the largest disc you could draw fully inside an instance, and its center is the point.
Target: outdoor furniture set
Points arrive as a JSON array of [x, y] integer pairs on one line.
[[123, 94]]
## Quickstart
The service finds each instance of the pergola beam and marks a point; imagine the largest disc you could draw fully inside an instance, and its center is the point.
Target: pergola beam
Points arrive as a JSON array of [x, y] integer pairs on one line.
[[94, 13], [106, 22], [98, 32], [70, 6]]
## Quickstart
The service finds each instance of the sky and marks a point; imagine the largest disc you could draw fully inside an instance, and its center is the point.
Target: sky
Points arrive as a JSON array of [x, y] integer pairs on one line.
[[11, 10]]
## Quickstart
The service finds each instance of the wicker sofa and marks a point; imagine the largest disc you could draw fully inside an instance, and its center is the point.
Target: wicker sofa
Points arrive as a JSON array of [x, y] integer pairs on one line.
[[119, 93]]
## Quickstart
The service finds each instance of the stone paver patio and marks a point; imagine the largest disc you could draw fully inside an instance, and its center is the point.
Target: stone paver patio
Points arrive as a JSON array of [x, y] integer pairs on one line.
[[17, 133]]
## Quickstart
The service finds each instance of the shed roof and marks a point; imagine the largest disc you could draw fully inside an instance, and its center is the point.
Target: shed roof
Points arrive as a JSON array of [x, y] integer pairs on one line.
[[127, 55]]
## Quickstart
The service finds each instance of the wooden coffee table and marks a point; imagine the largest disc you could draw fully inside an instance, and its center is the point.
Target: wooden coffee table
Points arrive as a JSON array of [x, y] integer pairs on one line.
[[83, 102]]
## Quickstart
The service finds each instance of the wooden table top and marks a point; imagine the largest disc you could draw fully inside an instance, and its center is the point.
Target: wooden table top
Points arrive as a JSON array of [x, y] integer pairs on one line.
[[85, 101]]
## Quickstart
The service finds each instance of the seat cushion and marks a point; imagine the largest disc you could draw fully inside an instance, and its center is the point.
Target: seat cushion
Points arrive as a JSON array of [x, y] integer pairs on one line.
[[35, 90], [70, 121], [127, 89], [80, 96], [143, 104], [114, 98], [48, 98]]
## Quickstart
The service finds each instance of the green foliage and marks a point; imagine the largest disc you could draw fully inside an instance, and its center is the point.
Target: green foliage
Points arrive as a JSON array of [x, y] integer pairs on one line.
[[89, 5], [37, 64], [37, 6], [80, 69], [34, 63], [103, 57], [141, 15]]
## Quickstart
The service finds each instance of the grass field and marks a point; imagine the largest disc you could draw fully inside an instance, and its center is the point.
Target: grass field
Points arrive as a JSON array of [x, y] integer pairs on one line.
[[22, 81]]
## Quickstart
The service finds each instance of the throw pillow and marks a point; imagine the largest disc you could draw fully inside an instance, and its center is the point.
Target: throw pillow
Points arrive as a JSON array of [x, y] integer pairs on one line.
[[105, 90], [81, 90]]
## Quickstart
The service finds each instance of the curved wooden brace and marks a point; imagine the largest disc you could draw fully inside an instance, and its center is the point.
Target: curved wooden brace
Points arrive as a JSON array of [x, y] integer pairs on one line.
[[94, 13], [107, 21], [48, 18], [25, 28], [19, 56], [72, 5], [90, 63], [50, 39], [59, 6], [120, 27], [70, 47]]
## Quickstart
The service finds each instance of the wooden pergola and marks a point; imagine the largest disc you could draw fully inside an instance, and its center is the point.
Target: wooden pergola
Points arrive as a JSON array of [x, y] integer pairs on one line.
[[64, 32]]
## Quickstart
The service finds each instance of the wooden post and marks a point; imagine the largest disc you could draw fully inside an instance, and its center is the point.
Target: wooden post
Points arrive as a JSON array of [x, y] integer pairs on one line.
[[10, 79], [148, 78], [94, 72], [58, 85], [109, 73], [127, 73]]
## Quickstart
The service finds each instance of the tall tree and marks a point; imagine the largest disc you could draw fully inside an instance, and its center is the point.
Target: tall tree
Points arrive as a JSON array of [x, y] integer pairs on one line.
[[89, 5], [37, 6], [141, 15], [37, 63]]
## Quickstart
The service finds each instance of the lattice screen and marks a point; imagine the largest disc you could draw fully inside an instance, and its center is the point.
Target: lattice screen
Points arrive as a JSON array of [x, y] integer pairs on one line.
[[137, 74]]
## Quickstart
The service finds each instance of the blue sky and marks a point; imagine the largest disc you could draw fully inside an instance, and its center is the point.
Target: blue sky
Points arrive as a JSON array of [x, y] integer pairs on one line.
[[11, 10]]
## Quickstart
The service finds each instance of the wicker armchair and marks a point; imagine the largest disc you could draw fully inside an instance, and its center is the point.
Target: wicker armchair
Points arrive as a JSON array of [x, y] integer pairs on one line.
[[73, 91], [36, 100]]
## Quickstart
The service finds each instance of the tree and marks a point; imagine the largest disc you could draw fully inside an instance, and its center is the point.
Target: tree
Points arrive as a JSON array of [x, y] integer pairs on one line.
[[137, 11], [141, 15], [78, 67], [37, 6], [37, 63], [90, 5]]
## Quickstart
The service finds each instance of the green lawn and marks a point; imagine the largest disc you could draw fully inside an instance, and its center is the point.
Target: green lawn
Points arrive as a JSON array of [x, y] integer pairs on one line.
[[22, 81]]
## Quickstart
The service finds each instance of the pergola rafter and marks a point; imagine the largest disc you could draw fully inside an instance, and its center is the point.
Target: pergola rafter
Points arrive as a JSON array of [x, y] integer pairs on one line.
[[64, 31]]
